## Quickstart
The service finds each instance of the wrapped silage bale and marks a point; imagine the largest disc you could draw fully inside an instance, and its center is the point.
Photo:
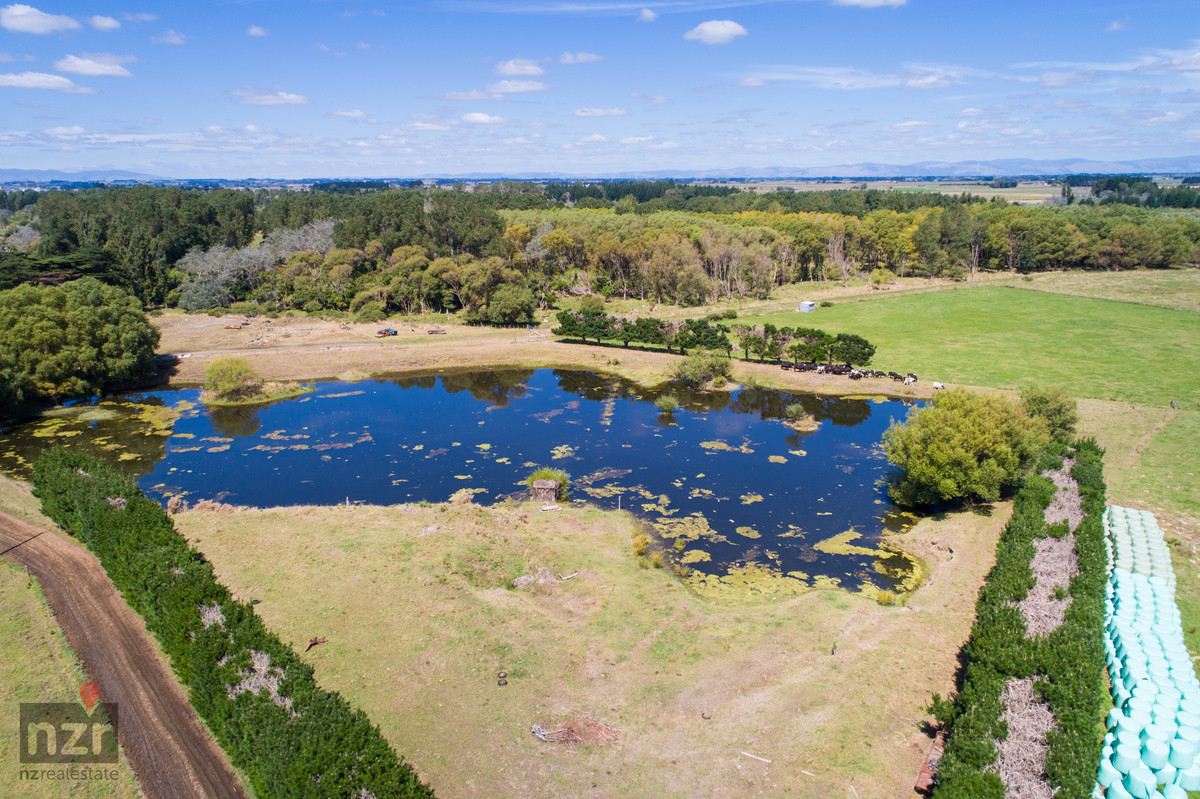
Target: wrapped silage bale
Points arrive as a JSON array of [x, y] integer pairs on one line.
[[1153, 737]]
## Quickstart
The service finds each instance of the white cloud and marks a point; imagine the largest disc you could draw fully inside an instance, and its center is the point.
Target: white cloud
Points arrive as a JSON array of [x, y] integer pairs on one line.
[[255, 30], [1166, 118], [927, 79], [519, 66], [752, 82], [971, 112], [96, 65], [170, 37], [595, 138], [480, 118], [42, 80], [251, 96], [870, 3], [350, 114], [434, 126], [1117, 25], [579, 58], [636, 139], [1066, 78], [324, 48], [517, 86], [21, 18], [601, 112], [472, 96], [918, 77], [651, 98], [715, 31], [139, 17], [904, 127], [6, 57], [103, 23], [647, 15]]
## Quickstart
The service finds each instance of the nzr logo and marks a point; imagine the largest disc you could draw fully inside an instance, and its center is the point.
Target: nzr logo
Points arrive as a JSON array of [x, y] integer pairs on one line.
[[68, 733]]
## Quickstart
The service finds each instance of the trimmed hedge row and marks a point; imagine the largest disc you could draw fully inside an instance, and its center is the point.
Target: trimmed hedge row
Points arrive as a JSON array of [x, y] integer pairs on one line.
[[1070, 660], [304, 742]]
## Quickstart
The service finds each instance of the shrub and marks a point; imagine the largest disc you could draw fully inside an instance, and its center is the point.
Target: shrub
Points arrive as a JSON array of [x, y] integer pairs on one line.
[[666, 403], [698, 368], [369, 313], [230, 378], [244, 308], [962, 447], [514, 305], [549, 473], [592, 303], [881, 277], [1055, 407]]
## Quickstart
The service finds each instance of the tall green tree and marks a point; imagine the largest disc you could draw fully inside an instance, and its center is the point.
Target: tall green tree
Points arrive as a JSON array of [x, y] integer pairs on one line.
[[59, 342], [962, 447]]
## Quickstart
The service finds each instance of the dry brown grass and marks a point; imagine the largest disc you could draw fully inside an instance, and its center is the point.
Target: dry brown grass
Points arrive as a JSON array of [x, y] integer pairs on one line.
[[828, 683], [307, 349]]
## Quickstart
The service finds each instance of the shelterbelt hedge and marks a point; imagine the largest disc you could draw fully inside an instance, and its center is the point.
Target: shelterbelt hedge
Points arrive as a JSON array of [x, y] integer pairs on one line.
[[1068, 664], [259, 698]]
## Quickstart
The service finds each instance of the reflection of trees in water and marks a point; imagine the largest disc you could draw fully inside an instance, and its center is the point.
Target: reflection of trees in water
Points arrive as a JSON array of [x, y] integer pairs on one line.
[[236, 422], [599, 387], [493, 387], [592, 386], [769, 403], [415, 381], [496, 388]]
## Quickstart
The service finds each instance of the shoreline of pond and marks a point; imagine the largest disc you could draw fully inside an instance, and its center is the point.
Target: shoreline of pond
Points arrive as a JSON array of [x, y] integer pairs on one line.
[[313, 349], [814, 530]]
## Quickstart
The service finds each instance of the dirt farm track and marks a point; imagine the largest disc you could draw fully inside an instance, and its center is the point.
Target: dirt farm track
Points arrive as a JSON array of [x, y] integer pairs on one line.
[[171, 752]]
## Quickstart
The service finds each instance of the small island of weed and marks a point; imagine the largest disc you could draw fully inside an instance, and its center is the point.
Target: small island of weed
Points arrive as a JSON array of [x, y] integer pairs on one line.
[[230, 381]]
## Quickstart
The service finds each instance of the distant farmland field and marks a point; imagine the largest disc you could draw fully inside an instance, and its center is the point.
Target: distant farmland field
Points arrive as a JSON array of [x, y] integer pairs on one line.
[[1003, 337], [1170, 288]]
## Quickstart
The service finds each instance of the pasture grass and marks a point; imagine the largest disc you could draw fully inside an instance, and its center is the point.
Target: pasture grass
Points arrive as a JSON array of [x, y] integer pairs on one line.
[[1003, 337], [1169, 288], [420, 620]]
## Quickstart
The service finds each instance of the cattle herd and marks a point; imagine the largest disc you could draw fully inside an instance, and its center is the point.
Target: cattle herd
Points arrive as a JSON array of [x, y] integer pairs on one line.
[[848, 371]]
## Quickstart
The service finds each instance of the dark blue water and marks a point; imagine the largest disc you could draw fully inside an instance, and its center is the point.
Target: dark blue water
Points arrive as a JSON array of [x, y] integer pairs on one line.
[[723, 472]]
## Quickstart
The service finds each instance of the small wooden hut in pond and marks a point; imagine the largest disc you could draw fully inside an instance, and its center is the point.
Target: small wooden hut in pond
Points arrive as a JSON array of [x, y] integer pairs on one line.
[[544, 491]]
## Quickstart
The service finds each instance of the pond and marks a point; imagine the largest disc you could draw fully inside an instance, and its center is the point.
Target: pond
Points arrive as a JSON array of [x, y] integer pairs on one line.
[[733, 500]]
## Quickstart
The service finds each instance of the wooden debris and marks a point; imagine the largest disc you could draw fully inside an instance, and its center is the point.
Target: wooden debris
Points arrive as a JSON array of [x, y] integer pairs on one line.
[[314, 642], [548, 508], [552, 736], [756, 757], [928, 773]]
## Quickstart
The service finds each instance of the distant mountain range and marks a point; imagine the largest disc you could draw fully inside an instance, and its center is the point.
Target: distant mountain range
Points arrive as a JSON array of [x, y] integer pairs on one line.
[[87, 176], [1003, 167]]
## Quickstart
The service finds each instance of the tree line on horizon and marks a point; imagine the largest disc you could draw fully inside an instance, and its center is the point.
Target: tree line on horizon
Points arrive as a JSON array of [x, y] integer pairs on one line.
[[509, 249]]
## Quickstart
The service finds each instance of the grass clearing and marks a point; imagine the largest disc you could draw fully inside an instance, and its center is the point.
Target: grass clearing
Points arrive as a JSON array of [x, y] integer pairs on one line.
[[36, 665], [1003, 337], [419, 622], [1167, 288]]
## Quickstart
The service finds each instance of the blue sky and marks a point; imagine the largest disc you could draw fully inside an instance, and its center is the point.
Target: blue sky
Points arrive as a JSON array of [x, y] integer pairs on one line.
[[262, 88]]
